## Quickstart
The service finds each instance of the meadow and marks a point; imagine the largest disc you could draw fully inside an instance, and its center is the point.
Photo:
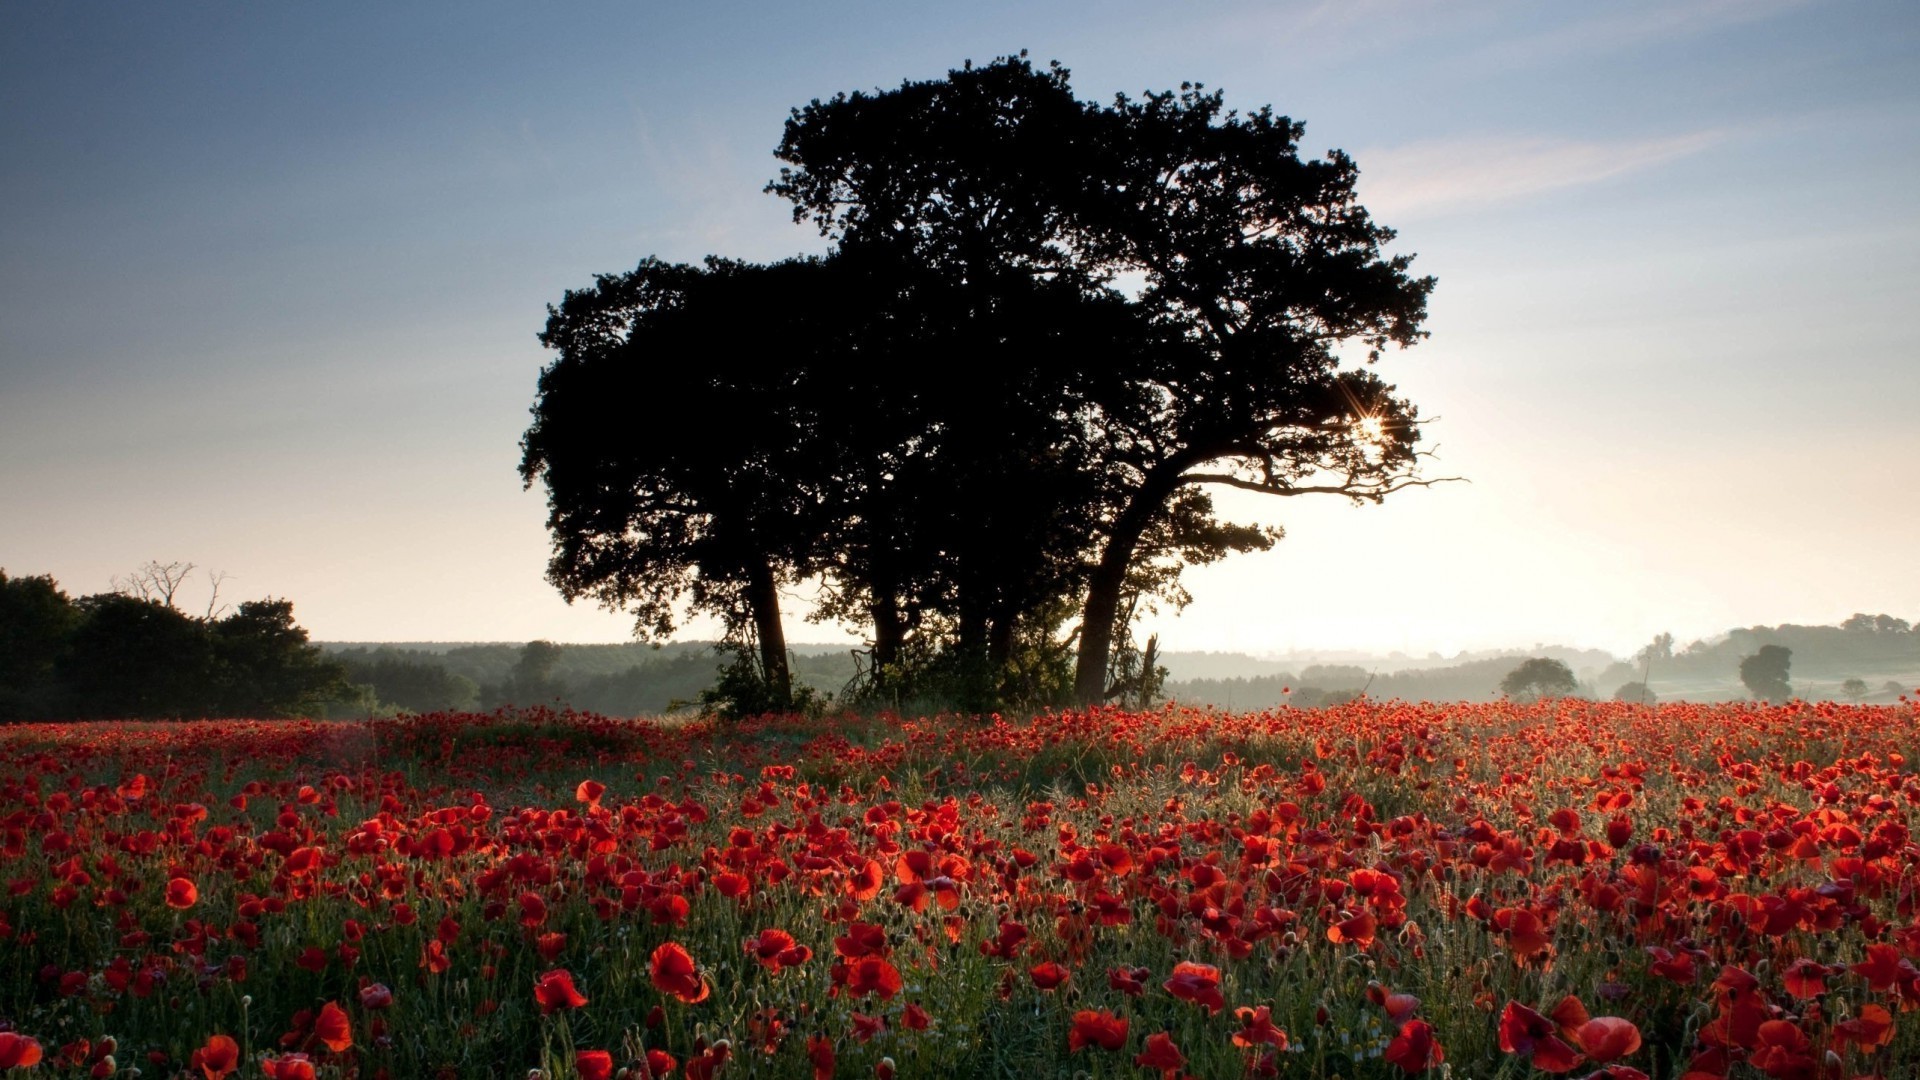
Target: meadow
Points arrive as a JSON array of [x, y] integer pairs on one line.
[[1377, 889]]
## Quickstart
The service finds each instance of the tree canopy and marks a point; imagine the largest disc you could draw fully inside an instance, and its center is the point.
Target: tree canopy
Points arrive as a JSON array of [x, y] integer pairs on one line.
[[1540, 677], [1765, 673], [136, 655], [1047, 330]]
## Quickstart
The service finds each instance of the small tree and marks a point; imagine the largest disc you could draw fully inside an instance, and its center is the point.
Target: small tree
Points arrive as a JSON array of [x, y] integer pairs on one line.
[[1854, 688], [1637, 693], [1765, 673], [1538, 678]]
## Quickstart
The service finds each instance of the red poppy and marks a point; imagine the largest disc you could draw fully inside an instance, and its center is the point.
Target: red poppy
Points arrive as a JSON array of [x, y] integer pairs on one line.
[[332, 1028], [1524, 1031], [660, 1063], [288, 1067], [775, 949], [1131, 981], [869, 975], [1807, 979], [182, 894], [866, 1027], [1359, 930], [1870, 1030], [589, 792], [1525, 931], [554, 990], [375, 996], [820, 1053], [1258, 1028], [533, 910], [674, 973], [862, 939], [434, 958], [1414, 1049], [1101, 1029], [593, 1064], [218, 1059], [1161, 1054], [1605, 1038], [1049, 975], [17, 1051], [1198, 983]]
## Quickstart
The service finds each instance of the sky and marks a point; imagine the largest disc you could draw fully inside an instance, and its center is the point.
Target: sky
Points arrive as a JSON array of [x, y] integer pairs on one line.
[[271, 275]]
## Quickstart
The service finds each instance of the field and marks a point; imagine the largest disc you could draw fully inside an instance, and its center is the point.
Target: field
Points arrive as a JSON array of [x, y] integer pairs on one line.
[[1373, 890]]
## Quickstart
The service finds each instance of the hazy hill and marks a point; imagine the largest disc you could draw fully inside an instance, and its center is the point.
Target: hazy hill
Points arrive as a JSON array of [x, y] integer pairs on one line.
[[1882, 653]]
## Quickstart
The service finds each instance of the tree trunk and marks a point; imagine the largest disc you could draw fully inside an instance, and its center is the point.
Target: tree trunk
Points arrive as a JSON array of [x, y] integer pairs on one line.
[[763, 595], [1109, 579], [889, 630]]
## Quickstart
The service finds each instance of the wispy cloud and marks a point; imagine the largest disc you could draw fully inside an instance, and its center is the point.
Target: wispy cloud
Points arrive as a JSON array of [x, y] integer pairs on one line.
[[1640, 24], [1428, 179]]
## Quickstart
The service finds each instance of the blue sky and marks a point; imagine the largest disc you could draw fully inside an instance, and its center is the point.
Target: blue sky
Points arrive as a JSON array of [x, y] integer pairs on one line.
[[270, 279]]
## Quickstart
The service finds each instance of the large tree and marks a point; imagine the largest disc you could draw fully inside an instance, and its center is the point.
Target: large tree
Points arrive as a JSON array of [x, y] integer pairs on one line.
[[1250, 270], [668, 436]]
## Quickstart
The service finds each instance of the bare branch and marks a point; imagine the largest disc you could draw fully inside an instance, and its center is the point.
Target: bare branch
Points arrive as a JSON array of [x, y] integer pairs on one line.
[[214, 608], [1351, 489]]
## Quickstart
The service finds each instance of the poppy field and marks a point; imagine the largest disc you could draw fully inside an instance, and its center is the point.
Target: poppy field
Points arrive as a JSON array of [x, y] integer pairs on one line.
[[1374, 890]]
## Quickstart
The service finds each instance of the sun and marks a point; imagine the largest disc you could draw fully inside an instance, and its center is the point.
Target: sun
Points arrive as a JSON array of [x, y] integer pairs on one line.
[[1370, 428]]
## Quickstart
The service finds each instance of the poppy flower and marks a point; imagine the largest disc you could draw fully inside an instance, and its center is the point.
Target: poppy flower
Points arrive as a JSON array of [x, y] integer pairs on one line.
[[660, 1063], [1605, 1038], [775, 949], [533, 910], [1258, 1028], [593, 1064], [218, 1059], [1131, 981], [1870, 1030], [288, 1067], [1161, 1054], [869, 975], [820, 1053], [1101, 1029], [1358, 930], [1524, 1031], [866, 1027], [915, 1017], [375, 996], [182, 894], [589, 792], [17, 1051], [332, 1028], [674, 973], [1807, 979], [554, 990], [1049, 976], [1198, 983], [1414, 1049]]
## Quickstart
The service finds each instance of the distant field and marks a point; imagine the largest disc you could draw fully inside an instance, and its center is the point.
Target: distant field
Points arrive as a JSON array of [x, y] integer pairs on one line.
[[1370, 890]]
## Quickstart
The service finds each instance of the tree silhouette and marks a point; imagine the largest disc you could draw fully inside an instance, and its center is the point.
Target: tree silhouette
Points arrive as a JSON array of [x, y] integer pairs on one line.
[[701, 496], [1540, 677], [959, 420], [1256, 267], [1765, 673]]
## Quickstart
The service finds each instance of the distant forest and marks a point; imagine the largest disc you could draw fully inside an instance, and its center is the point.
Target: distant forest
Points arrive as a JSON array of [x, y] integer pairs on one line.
[[134, 653], [1867, 658]]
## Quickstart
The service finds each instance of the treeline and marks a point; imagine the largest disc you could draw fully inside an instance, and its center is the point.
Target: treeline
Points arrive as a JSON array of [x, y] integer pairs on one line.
[[129, 655], [1864, 658], [1330, 684], [618, 680]]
